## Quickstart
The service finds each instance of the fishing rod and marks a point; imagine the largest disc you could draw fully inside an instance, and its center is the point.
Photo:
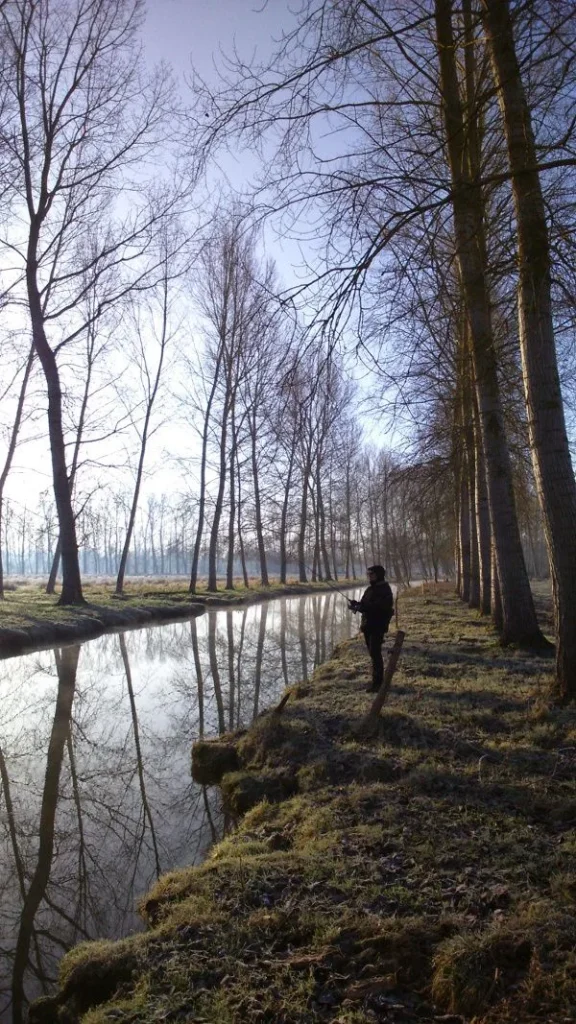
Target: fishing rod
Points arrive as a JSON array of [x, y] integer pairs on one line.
[[330, 584]]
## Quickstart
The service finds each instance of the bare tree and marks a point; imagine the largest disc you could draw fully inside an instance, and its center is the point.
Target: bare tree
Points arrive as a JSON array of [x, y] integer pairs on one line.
[[155, 323], [545, 411], [79, 121]]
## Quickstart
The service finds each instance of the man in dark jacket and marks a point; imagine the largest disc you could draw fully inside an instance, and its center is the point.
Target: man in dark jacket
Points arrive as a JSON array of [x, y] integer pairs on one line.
[[377, 607]]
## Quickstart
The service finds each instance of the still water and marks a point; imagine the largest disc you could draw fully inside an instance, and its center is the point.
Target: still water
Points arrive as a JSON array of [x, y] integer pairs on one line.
[[96, 798]]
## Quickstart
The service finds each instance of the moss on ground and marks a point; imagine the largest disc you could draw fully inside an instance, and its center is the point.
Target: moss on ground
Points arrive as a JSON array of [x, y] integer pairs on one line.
[[424, 874]]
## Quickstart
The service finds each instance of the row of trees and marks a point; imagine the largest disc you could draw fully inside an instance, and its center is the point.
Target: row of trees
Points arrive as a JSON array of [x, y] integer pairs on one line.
[[375, 512], [442, 197], [424, 152]]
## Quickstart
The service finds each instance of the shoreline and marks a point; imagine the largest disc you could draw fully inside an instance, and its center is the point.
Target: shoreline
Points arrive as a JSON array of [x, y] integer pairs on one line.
[[94, 620], [423, 873]]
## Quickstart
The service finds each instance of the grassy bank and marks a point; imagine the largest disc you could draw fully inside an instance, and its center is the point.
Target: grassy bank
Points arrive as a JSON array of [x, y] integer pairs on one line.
[[425, 874], [30, 618]]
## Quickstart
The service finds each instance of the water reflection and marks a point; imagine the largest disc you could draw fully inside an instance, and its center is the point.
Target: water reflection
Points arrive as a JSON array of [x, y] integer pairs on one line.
[[96, 797]]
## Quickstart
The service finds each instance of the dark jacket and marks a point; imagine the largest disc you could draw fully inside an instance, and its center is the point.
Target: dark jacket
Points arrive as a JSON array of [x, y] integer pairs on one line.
[[377, 607]]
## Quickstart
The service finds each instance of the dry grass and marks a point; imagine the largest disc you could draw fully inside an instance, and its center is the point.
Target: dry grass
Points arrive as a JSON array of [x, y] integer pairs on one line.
[[30, 618], [425, 874]]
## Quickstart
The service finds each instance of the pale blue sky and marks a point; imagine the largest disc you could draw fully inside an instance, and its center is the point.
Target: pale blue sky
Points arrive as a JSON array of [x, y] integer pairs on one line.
[[181, 31]]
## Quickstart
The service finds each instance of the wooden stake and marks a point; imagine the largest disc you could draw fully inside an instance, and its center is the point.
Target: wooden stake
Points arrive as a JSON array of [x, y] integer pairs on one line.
[[280, 707], [380, 697]]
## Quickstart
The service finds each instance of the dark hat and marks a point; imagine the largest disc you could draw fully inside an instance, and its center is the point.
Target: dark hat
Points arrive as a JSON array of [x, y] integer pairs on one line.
[[379, 570]]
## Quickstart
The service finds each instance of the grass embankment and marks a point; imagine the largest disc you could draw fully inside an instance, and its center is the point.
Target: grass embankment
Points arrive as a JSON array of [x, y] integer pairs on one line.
[[425, 874], [30, 618]]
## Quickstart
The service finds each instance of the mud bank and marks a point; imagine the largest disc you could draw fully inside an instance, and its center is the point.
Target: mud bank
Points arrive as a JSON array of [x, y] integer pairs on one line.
[[425, 873], [35, 629]]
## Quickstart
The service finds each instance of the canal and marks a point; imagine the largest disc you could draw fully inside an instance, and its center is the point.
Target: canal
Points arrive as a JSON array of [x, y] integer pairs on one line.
[[96, 797]]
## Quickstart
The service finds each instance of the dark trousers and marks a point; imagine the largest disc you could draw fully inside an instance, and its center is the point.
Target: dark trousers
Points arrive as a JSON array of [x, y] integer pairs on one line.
[[374, 641]]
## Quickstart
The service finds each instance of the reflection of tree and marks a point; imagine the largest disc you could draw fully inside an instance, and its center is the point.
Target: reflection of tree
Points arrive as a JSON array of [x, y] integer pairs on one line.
[[139, 760], [6, 788], [283, 618], [231, 667], [82, 899], [239, 664], [141, 700], [66, 664], [259, 654], [302, 638], [199, 676], [317, 630], [215, 669], [323, 630]]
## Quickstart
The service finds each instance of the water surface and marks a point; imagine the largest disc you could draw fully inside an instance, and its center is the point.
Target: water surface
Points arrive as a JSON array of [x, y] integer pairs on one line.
[[96, 798]]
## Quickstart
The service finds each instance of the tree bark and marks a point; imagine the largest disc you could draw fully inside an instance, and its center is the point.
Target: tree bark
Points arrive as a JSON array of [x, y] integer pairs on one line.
[[482, 513], [303, 523], [257, 503], [219, 503], [284, 515], [519, 623], [71, 593], [553, 469]]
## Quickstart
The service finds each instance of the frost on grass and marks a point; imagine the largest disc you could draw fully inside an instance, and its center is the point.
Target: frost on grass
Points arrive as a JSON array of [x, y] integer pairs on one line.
[[424, 873]]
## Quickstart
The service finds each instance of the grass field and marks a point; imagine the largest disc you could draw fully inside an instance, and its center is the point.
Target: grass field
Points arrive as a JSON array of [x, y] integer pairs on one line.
[[427, 873], [29, 616]]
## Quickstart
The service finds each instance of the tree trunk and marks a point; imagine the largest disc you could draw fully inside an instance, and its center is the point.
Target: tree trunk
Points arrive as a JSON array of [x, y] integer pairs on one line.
[[71, 593], [322, 524], [202, 489], [474, 598], [284, 516], [150, 400], [133, 509], [303, 524], [553, 469], [258, 504], [215, 529], [519, 617], [240, 536], [482, 522], [12, 448], [232, 503], [464, 535], [51, 585]]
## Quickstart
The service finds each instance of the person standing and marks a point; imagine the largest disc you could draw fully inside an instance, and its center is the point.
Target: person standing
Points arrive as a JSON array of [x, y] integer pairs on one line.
[[377, 608]]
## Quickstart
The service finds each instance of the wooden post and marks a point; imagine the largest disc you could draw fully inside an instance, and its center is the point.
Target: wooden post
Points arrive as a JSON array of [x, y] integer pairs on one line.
[[280, 707], [380, 697]]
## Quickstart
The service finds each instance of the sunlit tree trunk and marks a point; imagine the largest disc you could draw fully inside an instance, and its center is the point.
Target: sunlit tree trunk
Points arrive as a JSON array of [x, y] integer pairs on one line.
[[553, 469], [519, 617], [71, 593]]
